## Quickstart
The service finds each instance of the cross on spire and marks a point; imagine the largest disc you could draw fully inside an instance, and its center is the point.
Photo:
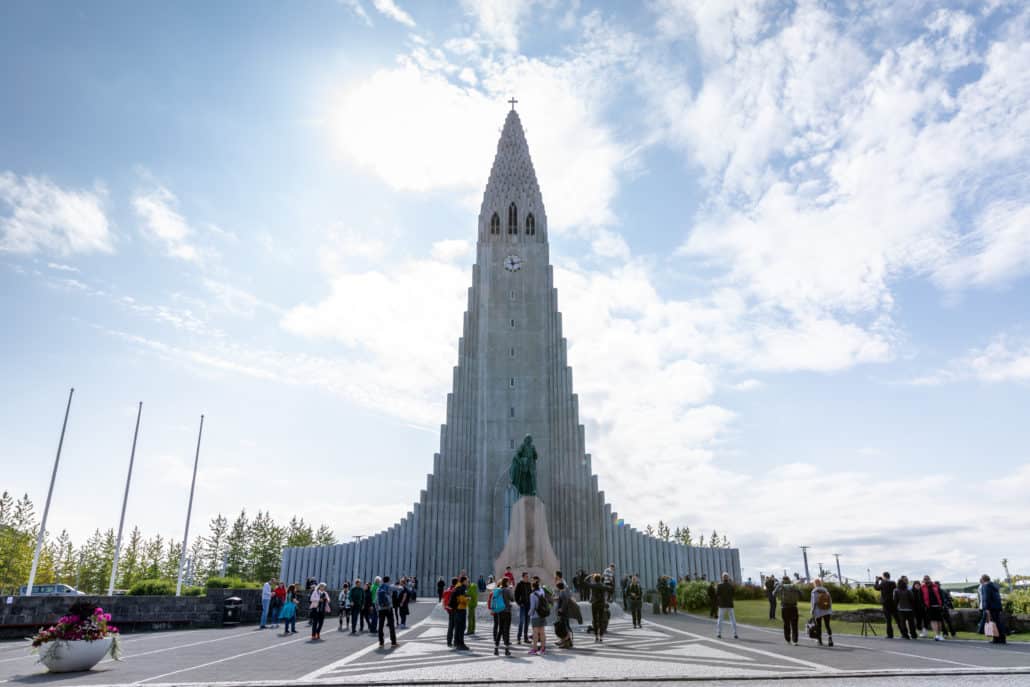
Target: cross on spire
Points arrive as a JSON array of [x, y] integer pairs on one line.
[[513, 101]]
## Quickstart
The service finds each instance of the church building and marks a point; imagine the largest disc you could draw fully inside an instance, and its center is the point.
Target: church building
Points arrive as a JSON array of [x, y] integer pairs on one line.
[[511, 379]]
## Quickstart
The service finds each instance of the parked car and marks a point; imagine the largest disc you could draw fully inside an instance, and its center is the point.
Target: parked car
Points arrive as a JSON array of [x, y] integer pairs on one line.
[[50, 590]]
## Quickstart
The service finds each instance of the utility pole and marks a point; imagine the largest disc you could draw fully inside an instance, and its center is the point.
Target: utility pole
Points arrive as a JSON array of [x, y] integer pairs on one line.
[[189, 511], [839, 578], [49, 494], [125, 502], [804, 554]]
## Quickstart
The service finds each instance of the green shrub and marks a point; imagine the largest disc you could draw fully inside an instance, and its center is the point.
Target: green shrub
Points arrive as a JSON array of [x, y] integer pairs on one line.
[[692, 596], [866, 595], [193, 591], [230, 583], [1018, 601], [153, 588], [745, 592]]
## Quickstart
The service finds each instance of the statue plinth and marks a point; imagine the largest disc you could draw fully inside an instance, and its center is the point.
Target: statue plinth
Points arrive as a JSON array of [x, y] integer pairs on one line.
[[528, 548]]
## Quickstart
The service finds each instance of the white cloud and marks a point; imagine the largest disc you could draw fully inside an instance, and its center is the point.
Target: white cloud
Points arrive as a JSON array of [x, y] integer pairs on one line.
[[499, 20], [358, 9], [39, 216], [450, 250], [389, 8], [447, 142], [61, 267], [747, 385], [163, 224], [235, 300], [1005, 359]]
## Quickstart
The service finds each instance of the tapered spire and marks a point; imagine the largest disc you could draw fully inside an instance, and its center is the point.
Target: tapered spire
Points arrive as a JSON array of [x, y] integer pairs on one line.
[[513, 180]]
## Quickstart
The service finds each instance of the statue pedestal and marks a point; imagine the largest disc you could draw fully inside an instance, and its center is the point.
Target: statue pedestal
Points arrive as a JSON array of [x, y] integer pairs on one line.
[[529, 545]]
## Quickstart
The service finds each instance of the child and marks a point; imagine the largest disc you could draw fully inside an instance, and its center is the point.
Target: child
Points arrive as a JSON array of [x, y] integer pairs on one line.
[[288, 615]]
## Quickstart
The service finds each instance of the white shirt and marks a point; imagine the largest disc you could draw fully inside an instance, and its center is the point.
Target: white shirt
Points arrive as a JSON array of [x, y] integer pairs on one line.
[[266, 592]]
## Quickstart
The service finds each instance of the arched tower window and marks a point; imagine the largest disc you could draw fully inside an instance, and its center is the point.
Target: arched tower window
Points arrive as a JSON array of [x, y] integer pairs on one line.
[[513, 220], [495, 224], [530, 225]]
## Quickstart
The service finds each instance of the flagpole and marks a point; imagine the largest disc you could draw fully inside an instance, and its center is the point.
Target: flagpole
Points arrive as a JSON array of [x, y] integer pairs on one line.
[[125, 501], [189, 510], [49, 494]]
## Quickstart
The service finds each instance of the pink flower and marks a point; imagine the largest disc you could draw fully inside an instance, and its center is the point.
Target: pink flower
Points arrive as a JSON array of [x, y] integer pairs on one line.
[[107, 617], [99, 611]]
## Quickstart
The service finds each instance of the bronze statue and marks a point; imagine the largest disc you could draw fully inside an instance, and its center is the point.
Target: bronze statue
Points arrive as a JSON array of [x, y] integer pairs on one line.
[[523, 468]]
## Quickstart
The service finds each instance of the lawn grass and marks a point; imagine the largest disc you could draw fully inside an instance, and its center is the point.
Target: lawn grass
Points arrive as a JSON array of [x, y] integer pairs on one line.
[[757, 613]]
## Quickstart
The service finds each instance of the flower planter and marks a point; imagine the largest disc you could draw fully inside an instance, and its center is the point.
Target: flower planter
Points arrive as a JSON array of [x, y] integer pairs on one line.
[[70, 656]]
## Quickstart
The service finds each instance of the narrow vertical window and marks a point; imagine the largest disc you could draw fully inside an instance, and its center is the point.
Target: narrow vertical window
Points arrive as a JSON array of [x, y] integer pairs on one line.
[[511, 443], [513, 324], [530, 225], [513, 220], [511, 352], [511, 382], [495, 224], [511, 412], [512, 295]]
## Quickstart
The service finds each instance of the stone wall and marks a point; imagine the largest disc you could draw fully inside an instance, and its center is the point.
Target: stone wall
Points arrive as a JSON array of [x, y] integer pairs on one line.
[[25, 614]]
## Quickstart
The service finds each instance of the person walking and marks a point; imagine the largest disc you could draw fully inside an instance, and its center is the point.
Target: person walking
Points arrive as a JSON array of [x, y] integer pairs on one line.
[[789, 597], [320, 607], [357, 605], [344, 600], [566, 610], [635, 600], [539, 610], [934, 606], [439, 588], [822, 609], [905, 604], [473, 595], [522, 591], [499, 602], [511, 577], [403, 601], [266, 602], [770, 593], [598, 606], [384, 606], [608, 578], [724, 599], [919, 608], [460, 604], [886, 586], [990, 609]]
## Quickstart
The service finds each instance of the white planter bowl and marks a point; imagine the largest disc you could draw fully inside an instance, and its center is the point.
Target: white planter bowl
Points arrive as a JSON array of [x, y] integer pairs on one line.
[[68, 657]]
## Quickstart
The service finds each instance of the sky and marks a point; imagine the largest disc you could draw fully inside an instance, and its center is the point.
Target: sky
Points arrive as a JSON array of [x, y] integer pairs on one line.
[[791, 242]]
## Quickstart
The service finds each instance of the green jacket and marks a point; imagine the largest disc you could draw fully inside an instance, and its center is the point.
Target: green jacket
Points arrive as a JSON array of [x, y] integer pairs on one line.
[[357, 597], [473, 595]]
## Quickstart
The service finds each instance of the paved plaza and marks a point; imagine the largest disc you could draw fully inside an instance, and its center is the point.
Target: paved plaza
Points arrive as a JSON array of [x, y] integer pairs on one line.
[[667, 649]]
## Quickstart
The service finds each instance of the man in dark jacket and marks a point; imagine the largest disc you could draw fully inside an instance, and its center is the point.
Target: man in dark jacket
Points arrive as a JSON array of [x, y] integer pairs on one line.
[[522, 591], [770, 592], [990, 608], [713, 603], [634, 600], [724, 597], [886, 586], [789, 597]]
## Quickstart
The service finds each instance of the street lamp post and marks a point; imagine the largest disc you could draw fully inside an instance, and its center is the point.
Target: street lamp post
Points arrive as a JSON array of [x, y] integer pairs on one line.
[[804, 554]]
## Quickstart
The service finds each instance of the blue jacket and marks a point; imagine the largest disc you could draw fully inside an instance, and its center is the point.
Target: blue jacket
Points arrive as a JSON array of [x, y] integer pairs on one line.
[[990, 597]]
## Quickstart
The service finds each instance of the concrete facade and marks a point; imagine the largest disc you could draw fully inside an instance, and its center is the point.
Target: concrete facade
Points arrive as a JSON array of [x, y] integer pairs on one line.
[[512, 379]]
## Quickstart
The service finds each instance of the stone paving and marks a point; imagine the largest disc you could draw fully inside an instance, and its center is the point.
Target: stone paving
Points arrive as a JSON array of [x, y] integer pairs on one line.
[[668, 649]]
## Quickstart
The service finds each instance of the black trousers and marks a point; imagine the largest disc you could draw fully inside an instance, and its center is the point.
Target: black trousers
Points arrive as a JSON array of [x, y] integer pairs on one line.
[[772, 607], [907, 624], [634, 609], [386, 618], [317, 619], [450, 628], [597, 618], [502, 628], [890, 612], [460, 622], [821, 621], [790, 623]]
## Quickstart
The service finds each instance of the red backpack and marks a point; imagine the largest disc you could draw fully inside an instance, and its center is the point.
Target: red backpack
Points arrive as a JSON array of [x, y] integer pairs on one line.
[[447, 599]]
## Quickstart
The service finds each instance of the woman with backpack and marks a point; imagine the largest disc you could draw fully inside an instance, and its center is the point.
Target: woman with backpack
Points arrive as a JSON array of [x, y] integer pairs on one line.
[[539, 609], [500, 602], [822, 609]]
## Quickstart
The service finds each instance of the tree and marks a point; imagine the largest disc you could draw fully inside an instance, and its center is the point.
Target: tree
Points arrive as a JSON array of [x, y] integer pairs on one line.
[[649, 531], [324, 536], [714, 540], [153, 556], [170, 563], [215, 546], [685, 537], [298, 533], [663, 531], [267, 546], [65, 559], [130, 563], [701, 541], [237, 550], [195, 559]]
